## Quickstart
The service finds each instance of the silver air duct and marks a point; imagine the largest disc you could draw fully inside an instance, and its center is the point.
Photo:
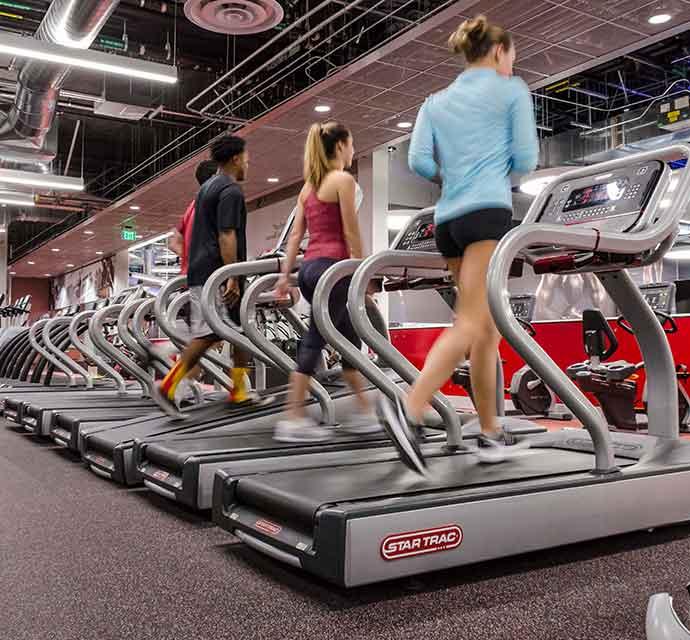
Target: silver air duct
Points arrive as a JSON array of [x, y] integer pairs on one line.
[[70, 23]]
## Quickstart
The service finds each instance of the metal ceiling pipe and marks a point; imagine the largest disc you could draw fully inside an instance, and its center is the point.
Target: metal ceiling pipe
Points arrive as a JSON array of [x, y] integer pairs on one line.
[[70, 23]]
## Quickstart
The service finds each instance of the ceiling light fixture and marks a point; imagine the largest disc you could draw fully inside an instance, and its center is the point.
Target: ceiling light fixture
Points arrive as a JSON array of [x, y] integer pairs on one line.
[[404, 125], [135, 207], [660, 18], [322, 108], [273, 180], [45, 181], [89, 233], [17, 201], [30, 262], [88, 59], [13, 273], [99, 253], [47, 275], [55, 250], [69, 264], [145, 243]]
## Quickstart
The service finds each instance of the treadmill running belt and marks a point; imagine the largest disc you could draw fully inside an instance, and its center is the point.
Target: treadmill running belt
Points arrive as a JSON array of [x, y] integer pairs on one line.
[[298, 495]]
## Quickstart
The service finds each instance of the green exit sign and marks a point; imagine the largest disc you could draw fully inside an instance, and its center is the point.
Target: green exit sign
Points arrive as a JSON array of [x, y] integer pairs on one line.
[[129, 234]]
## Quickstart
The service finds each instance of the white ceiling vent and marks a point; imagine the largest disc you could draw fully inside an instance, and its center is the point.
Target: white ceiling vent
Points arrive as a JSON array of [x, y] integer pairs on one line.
[[234, 17]]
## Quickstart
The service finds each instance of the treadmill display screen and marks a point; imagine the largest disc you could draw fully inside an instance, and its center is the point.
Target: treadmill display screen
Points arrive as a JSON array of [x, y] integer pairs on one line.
[[657, 300], [596, 194]]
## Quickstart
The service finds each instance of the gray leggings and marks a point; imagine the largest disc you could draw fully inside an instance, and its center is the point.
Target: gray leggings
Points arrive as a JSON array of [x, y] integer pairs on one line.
[[311, 345]]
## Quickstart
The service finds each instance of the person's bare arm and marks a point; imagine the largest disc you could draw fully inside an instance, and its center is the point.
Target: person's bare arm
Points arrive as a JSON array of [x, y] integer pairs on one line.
[[299, 228], [176, 243], [227, 241], [348, 212]]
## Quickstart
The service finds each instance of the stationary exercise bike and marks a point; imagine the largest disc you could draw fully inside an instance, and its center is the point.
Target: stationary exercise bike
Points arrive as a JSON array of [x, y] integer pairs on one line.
[[614, 384], [528, 392]]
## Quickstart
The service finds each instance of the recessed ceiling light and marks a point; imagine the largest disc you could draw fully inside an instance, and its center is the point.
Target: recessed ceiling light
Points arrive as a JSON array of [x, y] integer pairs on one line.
[[55, 250], [135, 207], [30, 262], [99, 253], [322, 108], [13, 273], [47, 275], [89, 233], [70, 264], [660, 18], [404, 125], [272, 180]]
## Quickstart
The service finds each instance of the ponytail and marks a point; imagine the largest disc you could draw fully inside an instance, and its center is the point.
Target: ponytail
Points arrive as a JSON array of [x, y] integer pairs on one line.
[[320, 148]]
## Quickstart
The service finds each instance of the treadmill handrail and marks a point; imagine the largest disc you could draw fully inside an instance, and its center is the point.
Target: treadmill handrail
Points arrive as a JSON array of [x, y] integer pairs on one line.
[[124, 331], [281, 359], [530, 234], [327, 328], [356, 304], [33, 339], [96, 333], [209, 295], [162, 363], [49, 327], [166, 312], [84, 317]]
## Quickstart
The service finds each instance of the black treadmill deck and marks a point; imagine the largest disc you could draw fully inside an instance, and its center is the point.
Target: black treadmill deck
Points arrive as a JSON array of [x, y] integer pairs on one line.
[[299, 495]]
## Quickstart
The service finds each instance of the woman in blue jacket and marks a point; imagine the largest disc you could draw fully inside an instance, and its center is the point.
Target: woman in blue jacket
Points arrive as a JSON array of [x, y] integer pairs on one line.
[[472, 136]]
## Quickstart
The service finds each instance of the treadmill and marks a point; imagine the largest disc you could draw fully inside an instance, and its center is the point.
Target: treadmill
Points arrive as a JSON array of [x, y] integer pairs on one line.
[[109, 451], [362, 523], [182, 467], [35, 411]]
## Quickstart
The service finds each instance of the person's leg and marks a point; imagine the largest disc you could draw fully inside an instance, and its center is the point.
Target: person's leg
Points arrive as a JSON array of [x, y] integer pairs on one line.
[[485, 336], [186, 363], [451, 348], [298, 427]]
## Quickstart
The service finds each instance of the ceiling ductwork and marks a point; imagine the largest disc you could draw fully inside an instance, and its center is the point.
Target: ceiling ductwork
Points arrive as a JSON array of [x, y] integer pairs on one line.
[[69, 23]]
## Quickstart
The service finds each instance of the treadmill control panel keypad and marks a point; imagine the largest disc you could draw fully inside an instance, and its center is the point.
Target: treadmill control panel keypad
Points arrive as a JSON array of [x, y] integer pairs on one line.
[[419, 236], [523, 307], [660, 297], [621, 194]]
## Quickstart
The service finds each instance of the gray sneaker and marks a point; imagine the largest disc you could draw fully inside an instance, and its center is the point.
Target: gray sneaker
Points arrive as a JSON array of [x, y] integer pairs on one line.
[[301, 431], [494, 450], [361, 423]]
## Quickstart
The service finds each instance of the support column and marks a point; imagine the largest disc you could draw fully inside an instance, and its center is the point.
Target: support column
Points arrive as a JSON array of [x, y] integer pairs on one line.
[[373, 176], [120, 271]]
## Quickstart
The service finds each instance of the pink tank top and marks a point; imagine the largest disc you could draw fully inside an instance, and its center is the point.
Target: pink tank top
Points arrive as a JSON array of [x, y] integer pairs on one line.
[[325, 227]]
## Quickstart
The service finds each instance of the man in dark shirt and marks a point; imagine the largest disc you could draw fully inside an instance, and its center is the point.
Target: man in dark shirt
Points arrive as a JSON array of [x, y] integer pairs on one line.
[[218, 238]]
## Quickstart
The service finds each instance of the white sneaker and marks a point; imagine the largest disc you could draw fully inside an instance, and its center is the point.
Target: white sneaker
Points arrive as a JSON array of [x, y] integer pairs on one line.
[[362, 424], [304, 430], [495, 451]]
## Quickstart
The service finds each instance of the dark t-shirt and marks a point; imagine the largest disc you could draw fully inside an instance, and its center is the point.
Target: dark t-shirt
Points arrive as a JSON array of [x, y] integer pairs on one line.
[[219, 207]]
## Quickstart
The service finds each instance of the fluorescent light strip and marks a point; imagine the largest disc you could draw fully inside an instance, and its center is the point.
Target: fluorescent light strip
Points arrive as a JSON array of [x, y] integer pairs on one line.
[[46, 181], [17, 202], [33, 49]]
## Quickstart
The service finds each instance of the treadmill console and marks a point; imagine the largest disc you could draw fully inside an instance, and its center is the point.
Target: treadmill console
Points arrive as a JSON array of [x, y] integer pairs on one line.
[[660, 296], [418, 236], [523, 307], [611, 201]]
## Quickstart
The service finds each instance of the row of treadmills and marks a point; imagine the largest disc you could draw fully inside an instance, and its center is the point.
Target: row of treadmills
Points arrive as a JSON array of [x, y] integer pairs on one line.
[[349, 510]]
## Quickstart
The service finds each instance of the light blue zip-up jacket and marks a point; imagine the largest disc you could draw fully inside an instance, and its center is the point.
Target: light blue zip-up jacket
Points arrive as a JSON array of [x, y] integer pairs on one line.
[[474, 134]]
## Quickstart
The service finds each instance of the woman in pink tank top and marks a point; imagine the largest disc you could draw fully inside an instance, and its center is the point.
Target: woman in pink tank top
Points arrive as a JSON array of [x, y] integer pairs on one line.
[[326, 210]]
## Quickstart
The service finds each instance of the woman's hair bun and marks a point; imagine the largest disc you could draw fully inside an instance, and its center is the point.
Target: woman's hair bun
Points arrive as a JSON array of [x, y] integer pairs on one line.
[[474, 38]]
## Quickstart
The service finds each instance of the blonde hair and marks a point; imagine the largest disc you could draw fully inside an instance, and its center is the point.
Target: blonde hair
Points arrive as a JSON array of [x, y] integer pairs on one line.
[[320, 148], [474, 38]]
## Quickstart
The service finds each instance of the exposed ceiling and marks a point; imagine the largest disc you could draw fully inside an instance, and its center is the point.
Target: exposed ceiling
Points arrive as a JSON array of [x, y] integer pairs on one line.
[[373, 94]]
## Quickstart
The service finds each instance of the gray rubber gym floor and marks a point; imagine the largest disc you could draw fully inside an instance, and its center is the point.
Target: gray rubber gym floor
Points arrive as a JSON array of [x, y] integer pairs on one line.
[[83, 559]]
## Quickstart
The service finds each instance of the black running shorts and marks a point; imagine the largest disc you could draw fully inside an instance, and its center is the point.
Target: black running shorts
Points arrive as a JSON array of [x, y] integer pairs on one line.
[[454, 236]]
